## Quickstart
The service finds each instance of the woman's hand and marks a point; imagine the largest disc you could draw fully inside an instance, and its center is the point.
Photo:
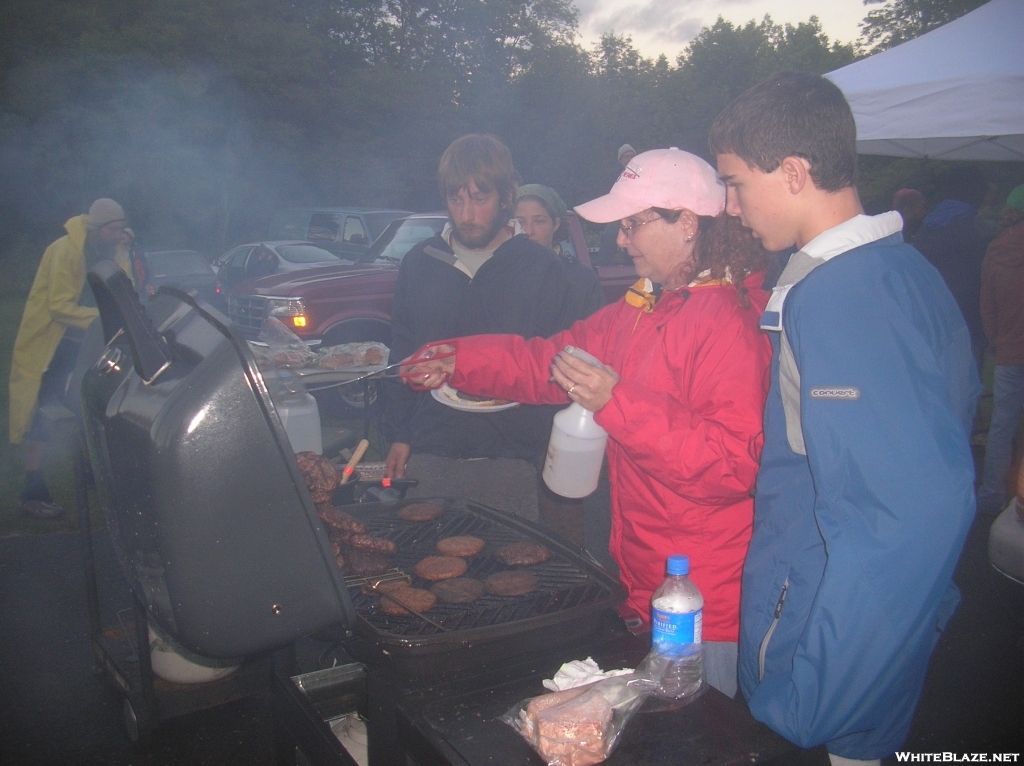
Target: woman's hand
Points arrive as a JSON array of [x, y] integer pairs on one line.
[[429, 367], [590, 386]]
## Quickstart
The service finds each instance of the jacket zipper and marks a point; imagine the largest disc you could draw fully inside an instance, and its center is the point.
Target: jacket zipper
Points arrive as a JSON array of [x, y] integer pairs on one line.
[[771, 629]]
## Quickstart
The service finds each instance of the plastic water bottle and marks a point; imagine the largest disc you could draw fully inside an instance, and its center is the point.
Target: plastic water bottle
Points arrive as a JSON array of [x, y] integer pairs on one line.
[[572, 466], [677, 611]]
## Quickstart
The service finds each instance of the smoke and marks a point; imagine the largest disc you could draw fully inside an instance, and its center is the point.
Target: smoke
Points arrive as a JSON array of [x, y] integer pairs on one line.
[[180, 149]]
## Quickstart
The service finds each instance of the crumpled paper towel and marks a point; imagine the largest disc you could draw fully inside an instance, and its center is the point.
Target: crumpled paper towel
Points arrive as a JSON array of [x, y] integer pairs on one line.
[[580, 673]]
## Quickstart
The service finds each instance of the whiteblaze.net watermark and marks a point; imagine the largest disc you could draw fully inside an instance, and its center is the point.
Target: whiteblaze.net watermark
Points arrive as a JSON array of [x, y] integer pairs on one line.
[[902, 757]]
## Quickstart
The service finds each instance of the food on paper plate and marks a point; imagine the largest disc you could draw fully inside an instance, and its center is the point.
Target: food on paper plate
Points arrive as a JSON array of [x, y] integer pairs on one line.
[[351, 355], [436, 568], [511, 583], [415, 598], [421, 512], [460, 545], [469, 400], [461, 590], [522, 554]]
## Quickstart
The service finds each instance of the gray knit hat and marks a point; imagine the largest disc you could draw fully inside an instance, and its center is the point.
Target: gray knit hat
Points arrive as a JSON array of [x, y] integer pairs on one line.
[[547, 196], [623, 149], [104, 211]]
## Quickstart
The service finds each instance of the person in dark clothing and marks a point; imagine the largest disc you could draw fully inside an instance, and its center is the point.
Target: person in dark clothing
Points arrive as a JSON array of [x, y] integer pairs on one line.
[[480, 275], [541, 214], [910, 204], [954, 241], [1002, 311]]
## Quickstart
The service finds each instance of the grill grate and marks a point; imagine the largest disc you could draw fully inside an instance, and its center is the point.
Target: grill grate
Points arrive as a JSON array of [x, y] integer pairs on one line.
[[564, 585]]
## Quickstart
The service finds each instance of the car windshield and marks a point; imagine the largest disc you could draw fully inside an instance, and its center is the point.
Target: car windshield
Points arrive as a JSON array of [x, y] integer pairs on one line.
[[401, 236], [306, 254], [179, 263]]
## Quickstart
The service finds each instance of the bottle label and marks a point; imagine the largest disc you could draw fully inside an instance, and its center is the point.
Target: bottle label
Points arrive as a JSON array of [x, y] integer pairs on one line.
[[673, 629]]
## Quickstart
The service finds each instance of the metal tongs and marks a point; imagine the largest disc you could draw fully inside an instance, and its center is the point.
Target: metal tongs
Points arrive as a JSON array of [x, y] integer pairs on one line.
[[393, 575], [419, 356]]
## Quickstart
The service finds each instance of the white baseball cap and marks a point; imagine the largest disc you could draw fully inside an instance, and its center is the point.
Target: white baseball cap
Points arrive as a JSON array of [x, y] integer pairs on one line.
[[667, 178]]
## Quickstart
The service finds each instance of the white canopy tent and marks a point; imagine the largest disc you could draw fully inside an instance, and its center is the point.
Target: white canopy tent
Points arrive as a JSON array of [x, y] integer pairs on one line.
[[955, 93]]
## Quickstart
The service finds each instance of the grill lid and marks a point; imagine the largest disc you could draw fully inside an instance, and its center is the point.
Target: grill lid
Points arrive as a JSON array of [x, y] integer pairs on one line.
[[209, 514]]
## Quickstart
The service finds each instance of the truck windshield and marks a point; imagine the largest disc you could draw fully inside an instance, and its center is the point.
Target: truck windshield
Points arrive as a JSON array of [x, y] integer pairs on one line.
[[401, 236], [306, 254]]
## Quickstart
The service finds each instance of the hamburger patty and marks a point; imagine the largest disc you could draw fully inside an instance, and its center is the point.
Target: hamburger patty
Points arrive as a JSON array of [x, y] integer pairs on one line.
[[460, 590], [461, 545], [441, 568], [415, 598], [511, 583], [421, 512], [522, 554]]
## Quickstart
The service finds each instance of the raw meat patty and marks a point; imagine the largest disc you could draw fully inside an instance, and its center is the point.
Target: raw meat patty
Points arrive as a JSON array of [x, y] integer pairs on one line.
[[441, 568], [522, 554], [462, 545], [415, 598], [460, 590], [510, 583], [421, 512]]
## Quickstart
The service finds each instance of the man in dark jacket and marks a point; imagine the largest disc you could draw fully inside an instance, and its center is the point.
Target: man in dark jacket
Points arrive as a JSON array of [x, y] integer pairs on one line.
[[480, 275], [953, 240], [1002, 313]]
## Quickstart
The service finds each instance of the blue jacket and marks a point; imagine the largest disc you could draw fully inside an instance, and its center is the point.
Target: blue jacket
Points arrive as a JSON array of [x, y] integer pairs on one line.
[[848, 581]]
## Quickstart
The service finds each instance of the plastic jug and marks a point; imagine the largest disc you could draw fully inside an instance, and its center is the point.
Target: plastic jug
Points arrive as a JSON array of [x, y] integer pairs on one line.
[[297, 410], [576, 448]]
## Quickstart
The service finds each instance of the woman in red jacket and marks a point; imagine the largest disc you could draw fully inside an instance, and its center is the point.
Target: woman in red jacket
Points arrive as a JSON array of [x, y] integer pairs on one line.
[[682, 392]]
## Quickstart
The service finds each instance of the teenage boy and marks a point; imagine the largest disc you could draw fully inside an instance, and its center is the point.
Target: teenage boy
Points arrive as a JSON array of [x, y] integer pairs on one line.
[[865, 492]]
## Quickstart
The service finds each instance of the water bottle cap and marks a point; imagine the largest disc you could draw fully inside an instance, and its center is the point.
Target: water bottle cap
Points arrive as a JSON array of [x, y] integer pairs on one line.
[[678, 565]]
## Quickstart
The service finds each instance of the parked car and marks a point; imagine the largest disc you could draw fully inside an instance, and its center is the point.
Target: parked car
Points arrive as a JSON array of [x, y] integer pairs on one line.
[[188, 268], [262, 259], [345, 231], [348, 303]]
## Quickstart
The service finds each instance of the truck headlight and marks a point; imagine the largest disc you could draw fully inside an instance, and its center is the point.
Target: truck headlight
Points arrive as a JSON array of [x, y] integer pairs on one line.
[[291, 311]]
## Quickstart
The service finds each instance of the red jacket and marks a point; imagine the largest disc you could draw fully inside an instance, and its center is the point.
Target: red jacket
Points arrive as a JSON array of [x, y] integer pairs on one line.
[[684, 424]]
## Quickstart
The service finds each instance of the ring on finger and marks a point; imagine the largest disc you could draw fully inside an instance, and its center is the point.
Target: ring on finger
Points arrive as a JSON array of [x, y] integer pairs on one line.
[[571, 389]]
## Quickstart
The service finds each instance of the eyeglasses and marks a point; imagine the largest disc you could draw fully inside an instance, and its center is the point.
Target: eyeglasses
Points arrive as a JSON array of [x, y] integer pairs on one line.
[[628, 230]]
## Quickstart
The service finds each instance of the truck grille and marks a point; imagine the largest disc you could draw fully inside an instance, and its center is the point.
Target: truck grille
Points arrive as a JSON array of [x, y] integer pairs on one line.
[[247, 312]]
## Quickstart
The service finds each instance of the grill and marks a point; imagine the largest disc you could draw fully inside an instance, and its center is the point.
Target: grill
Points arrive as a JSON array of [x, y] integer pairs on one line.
[[572, 593], [247, 311], [217, 532]]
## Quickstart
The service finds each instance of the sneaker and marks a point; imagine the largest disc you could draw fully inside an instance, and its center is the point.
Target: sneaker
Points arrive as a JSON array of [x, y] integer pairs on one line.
[[42, 509]]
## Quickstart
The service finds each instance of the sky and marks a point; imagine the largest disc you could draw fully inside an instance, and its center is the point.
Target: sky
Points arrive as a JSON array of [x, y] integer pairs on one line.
[[667, 26]]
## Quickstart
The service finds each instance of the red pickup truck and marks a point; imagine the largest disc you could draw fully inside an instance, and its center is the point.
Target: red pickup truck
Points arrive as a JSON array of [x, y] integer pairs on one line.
[[352, 302]]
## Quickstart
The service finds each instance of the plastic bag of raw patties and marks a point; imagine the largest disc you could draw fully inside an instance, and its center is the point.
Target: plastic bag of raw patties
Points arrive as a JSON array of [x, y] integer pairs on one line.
[[581, 726], [366, 355], [284, 348]]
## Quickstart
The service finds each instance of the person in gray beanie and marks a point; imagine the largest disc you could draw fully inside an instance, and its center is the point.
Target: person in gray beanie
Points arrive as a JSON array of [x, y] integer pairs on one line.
[[58, 310]]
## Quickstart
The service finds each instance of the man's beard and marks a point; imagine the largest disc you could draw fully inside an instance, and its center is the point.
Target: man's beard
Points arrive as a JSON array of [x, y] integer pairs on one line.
[[482, 240]]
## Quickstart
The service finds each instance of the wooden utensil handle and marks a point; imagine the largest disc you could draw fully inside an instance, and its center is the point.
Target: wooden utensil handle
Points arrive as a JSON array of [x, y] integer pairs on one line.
[[357, 455]]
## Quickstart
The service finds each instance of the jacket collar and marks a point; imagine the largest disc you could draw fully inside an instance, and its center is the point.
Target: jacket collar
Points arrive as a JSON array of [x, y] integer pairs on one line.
[[853, 233]]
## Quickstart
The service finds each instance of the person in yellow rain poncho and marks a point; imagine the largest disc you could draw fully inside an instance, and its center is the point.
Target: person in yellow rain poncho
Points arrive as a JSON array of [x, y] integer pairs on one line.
[[59, 308]]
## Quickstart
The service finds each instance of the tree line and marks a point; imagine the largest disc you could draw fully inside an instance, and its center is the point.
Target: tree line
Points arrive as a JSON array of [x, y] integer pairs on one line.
[[204, 118]]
